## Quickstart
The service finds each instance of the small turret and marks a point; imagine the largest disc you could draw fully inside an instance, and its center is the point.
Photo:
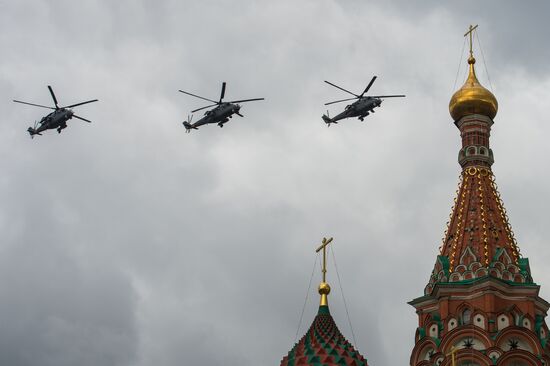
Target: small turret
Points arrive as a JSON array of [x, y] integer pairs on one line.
[[323, 344]]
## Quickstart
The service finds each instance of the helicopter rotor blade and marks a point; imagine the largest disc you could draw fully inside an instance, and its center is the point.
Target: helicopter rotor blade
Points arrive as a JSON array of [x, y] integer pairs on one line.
[[368, 86], [246, 100], [342, 100], [223, 92], [197, 96], [200, 109], [36, 105], [388, 96], [53, 97], [77, 104], [83, 119], [336, 86]]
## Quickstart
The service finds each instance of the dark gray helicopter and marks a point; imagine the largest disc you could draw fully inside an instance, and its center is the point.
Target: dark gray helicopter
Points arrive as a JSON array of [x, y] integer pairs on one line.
[[56, 119], [220, 114], [360, 108]]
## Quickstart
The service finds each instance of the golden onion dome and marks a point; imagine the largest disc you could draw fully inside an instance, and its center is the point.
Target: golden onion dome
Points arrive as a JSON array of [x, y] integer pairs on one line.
[[472, 98]]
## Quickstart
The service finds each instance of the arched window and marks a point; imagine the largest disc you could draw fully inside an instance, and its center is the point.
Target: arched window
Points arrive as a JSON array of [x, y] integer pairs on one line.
[[503, 321], [452, 324], [466, 316], [479, 320]]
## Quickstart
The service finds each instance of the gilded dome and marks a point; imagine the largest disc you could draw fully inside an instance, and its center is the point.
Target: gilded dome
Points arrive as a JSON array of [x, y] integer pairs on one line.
[[472, 98]]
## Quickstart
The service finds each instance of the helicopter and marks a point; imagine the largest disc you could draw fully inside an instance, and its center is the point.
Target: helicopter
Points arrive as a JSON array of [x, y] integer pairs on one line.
[[361, 108], [220, 114], [56, 119]]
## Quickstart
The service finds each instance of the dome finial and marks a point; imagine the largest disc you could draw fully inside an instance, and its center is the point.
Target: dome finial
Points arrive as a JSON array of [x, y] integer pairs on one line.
[[324, 288], [472, 97]]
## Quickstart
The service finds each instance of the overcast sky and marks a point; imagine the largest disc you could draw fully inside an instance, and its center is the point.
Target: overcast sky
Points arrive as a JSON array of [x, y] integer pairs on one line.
[[128, 242]]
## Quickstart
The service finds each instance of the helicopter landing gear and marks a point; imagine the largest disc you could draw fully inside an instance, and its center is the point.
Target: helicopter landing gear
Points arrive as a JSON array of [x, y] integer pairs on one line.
[[61, 127], [220, 124]]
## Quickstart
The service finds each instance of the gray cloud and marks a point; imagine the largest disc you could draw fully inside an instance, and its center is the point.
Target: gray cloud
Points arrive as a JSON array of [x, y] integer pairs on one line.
[[128, 242]]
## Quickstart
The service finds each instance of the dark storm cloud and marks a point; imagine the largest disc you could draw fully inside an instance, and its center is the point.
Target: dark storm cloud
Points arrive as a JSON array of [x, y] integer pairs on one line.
[[58, 308], [128, 242]]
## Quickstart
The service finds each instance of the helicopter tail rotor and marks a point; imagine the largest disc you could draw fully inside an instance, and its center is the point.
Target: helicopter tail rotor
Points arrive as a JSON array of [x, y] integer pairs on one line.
[[327, 119], [187, 124], [33, 130], [189, 127]]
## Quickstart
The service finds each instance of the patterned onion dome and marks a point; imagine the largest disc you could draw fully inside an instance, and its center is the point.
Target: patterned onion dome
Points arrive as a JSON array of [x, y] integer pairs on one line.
[[323, 345], [472, 98]]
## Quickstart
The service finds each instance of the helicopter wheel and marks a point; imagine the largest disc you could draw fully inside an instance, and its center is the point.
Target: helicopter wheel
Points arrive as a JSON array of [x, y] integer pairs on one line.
[[361, 119]]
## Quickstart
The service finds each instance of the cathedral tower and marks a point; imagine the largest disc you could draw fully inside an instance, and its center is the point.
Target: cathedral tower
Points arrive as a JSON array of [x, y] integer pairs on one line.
[[481, 305]]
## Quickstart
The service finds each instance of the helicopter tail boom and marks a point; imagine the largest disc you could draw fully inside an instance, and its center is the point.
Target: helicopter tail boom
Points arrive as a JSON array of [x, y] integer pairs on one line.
[[327, 119], [33, 131], [189, 126]]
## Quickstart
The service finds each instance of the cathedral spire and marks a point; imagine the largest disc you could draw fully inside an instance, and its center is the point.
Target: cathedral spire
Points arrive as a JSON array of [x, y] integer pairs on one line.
[[480, 306]]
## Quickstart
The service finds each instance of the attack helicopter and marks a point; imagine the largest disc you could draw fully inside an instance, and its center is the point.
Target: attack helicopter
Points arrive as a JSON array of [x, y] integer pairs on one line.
[[362, 107], [56, 119], [221, 114]]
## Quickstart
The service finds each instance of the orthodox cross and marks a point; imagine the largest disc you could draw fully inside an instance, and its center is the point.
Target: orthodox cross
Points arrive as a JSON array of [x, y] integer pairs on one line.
[[469, 32], [452, 354], [323, 246]]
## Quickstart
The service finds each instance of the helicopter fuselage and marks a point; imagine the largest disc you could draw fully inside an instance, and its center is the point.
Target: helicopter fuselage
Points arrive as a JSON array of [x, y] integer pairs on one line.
[[360, 108], [220, 115], [57, 119]]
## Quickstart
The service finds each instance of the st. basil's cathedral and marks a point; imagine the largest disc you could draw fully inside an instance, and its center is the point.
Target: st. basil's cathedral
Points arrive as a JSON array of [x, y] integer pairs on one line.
[[480, 307]]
